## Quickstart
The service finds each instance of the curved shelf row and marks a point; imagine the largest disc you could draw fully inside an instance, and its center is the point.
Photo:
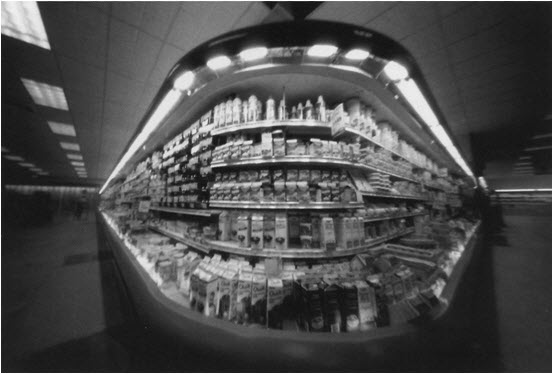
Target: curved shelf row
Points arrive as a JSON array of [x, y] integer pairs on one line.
[[376, 219], [188, 212], [260, 161], [393, 196], [232, 248], [283, 205], [318, 126]]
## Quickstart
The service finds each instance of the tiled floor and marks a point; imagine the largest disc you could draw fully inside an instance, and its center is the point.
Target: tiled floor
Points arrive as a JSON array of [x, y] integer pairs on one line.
[[64, 309]]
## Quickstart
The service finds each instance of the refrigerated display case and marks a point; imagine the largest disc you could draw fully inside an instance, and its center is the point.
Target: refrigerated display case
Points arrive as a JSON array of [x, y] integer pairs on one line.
[[287, 197]]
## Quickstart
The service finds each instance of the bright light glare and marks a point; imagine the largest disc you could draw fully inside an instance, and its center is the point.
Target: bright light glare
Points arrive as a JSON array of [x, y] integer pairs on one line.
[[482, 182], [357, 54], [395, 71], [252, 54], [62, 128], [14, 158], [77, 163], [184, 81], [70, 146], [27, 164], [526, 190], [167, 104], [414, 96], [322, 50], [22, 20], [543, 136], [219, 62], [538, 148], [45, 94]]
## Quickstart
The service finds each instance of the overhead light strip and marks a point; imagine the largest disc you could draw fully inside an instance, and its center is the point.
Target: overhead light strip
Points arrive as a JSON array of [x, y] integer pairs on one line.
[[415, 98], [169, 101], [22, 20], [62, 128], [530, 149], [543, 136], [70, 146], [525, 190]]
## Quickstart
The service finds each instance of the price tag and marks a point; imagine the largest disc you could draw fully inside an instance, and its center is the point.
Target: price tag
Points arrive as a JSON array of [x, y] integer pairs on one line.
[[144, 206]]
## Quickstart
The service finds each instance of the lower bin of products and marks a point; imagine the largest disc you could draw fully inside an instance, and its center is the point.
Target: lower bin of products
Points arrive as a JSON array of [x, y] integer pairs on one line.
[[246, 349]]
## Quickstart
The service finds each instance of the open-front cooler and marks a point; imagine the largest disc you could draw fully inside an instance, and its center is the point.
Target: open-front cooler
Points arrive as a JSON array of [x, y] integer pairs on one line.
[[292, 202]]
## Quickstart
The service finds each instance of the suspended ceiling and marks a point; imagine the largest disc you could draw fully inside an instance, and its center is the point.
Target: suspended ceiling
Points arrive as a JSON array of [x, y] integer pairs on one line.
[[488, 66]]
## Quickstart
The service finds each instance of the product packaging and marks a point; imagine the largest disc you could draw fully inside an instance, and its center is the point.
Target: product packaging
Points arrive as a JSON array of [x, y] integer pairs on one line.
[[294, 231], [331, 299], [278, 143], [244, 296], [224, 226], [258, 313], [224, 294], [275, 296], [270, 109], [291, 195], [269, 231], [237, 107], [328, 234], [303, 192], [281, 231], [229, 112], [256, 238], [312, 297], [367, 305], [280, 191], [316, 231], [243, 234], [267, 144]]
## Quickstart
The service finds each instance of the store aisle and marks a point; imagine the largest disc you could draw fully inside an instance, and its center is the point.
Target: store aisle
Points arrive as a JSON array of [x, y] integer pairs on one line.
[[522, 259], [58, 286]]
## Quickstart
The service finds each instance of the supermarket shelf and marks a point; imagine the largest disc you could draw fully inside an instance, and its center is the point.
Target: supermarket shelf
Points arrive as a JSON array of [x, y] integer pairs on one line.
[[191, 243], [283, 205], [311, 160], [233, 248], [391, 196], [189, 212], [266, 125], [376, 219]]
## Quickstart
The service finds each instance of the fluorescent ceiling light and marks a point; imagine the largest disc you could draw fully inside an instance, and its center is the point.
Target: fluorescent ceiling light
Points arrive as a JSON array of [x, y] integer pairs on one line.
[[14, 158], [70, 146], [77, 163], [22, 20], [43, 173], [542, 136], [538, 148], [357, 54], [35, 169], [184, 81], [523, 163], [395, 71], [83, 176], [74, 156], [166, 105], [524, 157], [322, 50], [482, 182], [526, 190], [62, 128], [252, 54], [27, 164], [219, 62], [415, 98], [45, 94]]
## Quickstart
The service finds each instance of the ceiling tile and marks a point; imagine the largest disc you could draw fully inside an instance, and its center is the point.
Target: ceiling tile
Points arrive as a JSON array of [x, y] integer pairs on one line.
[[83, 78], [359, 13], [158, 17], [184, 29], [404, 19], [254, 14], [168, 57], [122, 90], [131, 12]]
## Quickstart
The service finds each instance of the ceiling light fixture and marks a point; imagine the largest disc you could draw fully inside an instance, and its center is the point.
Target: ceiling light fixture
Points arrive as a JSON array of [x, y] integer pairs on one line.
[[70, 146], [77, 163], [525, 157], [417, 101], [322, 50], [26, 164], [542, 136], [74, 156], [482, 182], [14, 158], [395, 71], [184, 81], [46, 94], [357, 54], [43, 173], [22, 20], [219, 62], [530, 149], [164, 108], [62, 128], [254, 53], [525, 190]]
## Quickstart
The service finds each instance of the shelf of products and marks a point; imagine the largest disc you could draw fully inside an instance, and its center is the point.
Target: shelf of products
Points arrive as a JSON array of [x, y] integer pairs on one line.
[[258, 126], [283, 205], [189, 212]]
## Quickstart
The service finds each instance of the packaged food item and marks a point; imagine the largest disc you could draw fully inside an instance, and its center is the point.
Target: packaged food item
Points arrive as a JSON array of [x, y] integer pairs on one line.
[[280, 191], [237, 106], [224, 226], [341, 232], [300, 111], [316, 231], [229, 112], [224, 294], [269, 231], [259, 111], [256, 239], [331, 300], [211, 284], [244, 194], [328, 234], [312, 296], [294, 231], [367, 305], [281, 231], [321, 110], [353, 107], [252, 108], [278, 143], [216, 116], [325, 188], [267, 144], [244, 112], [292, 175], [309, 111], [243, 228], [244, 296], [303, 192], [306, 233], [282, 109], [275, 297], [315, 176], [270, 109], [268, 193], [256, 192], [292, 195], [304, 175], [259, 299], [349, 307]]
